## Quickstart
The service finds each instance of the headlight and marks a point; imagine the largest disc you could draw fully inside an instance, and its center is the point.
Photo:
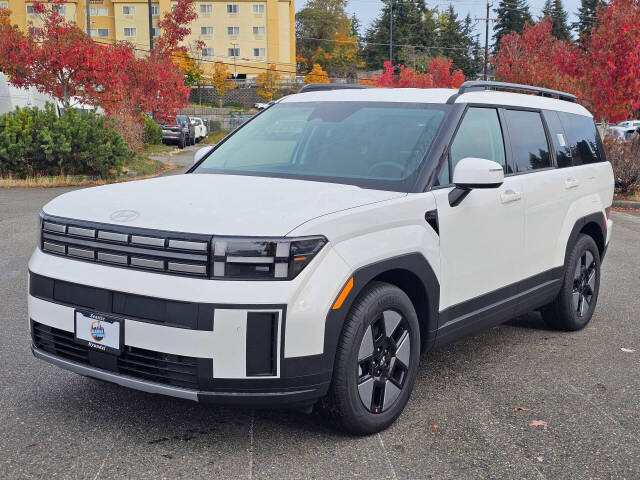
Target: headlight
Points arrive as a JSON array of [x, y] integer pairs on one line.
[[263, 258]]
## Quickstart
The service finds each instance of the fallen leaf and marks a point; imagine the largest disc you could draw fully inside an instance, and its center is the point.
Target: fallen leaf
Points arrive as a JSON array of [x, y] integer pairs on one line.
[[435, 427], [627, 350], [521, 409], [538, 423]]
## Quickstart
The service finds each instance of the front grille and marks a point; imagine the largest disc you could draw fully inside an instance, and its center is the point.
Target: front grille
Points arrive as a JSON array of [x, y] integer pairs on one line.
[[141, 249], [158, 367]]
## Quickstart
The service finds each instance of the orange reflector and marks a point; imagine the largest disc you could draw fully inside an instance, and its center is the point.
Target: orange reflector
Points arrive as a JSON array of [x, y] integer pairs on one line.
[[343, 294], [299, 259]]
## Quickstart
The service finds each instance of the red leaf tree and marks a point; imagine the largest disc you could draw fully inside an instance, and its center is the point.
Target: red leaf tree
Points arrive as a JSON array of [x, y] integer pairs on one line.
[[604, 73], [438, 75]]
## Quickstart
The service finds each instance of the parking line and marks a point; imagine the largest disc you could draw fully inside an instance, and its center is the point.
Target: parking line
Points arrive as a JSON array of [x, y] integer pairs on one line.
[[386, 455], [253, 415]]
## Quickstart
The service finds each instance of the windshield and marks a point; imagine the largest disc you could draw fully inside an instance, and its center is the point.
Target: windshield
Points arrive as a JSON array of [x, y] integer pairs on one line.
[[375, 145]]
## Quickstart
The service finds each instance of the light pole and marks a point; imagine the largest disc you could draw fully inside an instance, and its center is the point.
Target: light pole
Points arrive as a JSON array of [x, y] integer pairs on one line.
[[391, 32], [150, 25], [235, 72]]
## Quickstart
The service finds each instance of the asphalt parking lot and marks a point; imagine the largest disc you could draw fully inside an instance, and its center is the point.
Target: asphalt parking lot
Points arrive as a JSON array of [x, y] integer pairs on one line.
[[460, 422]]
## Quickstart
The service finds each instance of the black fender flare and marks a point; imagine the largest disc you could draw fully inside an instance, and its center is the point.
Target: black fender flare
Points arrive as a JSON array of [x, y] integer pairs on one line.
[[598, 219]]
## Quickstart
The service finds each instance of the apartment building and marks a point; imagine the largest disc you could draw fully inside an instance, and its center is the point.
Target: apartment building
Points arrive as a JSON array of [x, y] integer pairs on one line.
[[247, 35]]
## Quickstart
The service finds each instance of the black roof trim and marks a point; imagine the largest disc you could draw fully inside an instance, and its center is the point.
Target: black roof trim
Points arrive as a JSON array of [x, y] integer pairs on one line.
[[474, 86], [319, 87]]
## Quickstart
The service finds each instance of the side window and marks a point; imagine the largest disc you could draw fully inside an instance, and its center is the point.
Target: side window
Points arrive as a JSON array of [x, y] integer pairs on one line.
[[528, 141], [479, 135], [583, 139], [558, 138]]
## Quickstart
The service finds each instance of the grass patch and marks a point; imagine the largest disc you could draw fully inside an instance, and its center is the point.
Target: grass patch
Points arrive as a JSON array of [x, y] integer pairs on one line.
[[214, 138], [159, 149], [141, 166]]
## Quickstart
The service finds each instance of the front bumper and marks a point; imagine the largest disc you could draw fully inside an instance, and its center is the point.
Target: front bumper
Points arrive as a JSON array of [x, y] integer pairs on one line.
[[207, 329]]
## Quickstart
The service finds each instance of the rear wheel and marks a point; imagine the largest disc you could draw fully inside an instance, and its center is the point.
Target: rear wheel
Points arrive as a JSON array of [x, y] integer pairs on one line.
[[182, 142], [573, 307], [376, 361]]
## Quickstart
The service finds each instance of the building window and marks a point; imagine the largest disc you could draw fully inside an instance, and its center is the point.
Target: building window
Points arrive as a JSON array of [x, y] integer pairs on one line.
[[59, 9], [206, 8], [206, 31], [232, 8], [99, 11], [100, 32], [155, 31], [128, 10], [258, 9], [129, 32], [233, 31], [234, 52], [29, 9], [4, 4], [155, 10], [35, 31], [259, 52], [207, 52], [258, 30]]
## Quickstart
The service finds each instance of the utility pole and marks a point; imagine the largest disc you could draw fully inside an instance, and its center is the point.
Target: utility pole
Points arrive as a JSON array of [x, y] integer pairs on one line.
[[391, 32], [150, 25], [88, 9], [486, 39]]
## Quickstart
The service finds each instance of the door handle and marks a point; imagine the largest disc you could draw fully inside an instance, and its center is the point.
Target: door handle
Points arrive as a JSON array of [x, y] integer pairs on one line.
[[571, 182], [509, 196]]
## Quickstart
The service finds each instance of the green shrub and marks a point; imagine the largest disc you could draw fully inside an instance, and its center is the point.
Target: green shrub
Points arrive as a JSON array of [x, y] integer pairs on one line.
[[151, 132], [38, 142]]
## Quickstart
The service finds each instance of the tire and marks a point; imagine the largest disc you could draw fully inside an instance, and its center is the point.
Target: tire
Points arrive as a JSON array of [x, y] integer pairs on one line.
[[192, 140], [370, 389], [573, 308], [182, 142]]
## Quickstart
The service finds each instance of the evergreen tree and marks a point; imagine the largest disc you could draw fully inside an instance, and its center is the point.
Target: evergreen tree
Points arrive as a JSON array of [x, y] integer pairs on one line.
[[413, 24], [586, 18], [512, 17], [458, 42]]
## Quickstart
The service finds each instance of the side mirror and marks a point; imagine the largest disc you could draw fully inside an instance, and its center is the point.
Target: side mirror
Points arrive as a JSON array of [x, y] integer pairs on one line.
[[201, 153], [473, 173]]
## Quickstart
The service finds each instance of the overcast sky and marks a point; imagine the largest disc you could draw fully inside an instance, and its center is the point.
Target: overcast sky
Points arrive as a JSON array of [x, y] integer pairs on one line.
[[368, 10]]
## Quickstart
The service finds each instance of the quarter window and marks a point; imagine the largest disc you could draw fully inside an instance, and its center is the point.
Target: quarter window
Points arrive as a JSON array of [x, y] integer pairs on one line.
[[480, 136], [583, 140], [528, 141]]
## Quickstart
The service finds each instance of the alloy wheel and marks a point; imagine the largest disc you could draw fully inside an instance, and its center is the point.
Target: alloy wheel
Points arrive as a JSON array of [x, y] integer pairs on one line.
[[383, 361], [584, 283]]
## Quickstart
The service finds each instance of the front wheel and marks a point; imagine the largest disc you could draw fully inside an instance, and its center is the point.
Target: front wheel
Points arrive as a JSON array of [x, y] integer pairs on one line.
[[573, 307], [376, 360]]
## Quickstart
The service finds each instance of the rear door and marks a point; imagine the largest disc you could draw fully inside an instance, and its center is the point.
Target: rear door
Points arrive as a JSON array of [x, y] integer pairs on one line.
[[481, 239]]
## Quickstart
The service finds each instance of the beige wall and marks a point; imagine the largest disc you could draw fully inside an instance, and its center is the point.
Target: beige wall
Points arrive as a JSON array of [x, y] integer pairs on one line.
[[278, 41]]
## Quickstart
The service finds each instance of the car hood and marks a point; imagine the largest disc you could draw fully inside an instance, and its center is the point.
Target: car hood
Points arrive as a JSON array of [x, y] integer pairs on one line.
[[213, 204]]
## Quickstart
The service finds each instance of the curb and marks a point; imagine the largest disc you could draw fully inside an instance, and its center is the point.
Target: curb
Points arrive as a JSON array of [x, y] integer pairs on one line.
[[626, 204]]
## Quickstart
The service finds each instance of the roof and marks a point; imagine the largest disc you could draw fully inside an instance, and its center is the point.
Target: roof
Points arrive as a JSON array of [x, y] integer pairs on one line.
[[437, 95]]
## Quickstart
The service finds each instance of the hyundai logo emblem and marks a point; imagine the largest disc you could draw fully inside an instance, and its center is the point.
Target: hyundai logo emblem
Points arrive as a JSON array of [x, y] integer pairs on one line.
[[124, 215]]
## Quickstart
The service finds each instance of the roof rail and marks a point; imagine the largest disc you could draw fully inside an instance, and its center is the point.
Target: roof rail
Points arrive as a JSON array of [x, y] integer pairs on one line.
[[474, 86], [318, 87]]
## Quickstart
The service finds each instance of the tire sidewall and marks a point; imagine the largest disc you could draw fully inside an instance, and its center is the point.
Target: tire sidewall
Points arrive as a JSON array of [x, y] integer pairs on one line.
[[583, 244], [388, 297]]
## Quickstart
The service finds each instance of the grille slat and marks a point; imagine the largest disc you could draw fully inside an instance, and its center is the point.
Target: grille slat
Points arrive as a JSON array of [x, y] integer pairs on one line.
[[175, 370], [141, 249]]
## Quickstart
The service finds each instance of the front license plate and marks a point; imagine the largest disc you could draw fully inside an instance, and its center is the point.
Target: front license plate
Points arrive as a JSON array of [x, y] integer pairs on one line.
[[100, 332]]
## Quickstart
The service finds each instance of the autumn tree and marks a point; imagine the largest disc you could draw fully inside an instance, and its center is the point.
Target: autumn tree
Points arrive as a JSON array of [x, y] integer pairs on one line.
[[193, 73], [220, 80], [512, 16], [316, 75], [268, 83], [438, 75]]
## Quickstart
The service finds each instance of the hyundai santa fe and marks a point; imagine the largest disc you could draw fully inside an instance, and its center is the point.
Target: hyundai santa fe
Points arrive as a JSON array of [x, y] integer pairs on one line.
[[312, 255]]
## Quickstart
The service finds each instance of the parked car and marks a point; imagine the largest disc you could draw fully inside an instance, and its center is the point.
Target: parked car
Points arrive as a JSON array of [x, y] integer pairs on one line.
[[622, 132], [319, 249], [630, 123], [199, 127], [180, 131], [262, 106]]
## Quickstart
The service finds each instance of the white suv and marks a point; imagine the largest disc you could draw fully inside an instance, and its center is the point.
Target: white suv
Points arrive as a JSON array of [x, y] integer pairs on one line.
[[320, 248]]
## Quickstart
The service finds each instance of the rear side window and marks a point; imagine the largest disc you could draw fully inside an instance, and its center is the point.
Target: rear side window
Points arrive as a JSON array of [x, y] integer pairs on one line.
[[528, 141], [480, 136], [558, 138], [582, 138]]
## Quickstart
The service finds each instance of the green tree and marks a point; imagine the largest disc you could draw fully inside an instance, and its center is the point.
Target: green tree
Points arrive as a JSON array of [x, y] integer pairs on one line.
[[458, 42], [558, 15], [413, 24], [586, 18], [512, 17]]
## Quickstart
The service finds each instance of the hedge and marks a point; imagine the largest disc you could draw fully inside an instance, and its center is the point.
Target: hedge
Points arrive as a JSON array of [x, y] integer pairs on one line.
[[37, 142], [151, 132]]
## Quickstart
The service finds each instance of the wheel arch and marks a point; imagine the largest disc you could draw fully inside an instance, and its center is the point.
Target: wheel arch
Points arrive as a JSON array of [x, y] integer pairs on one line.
[[413, 275], [592, 225]]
